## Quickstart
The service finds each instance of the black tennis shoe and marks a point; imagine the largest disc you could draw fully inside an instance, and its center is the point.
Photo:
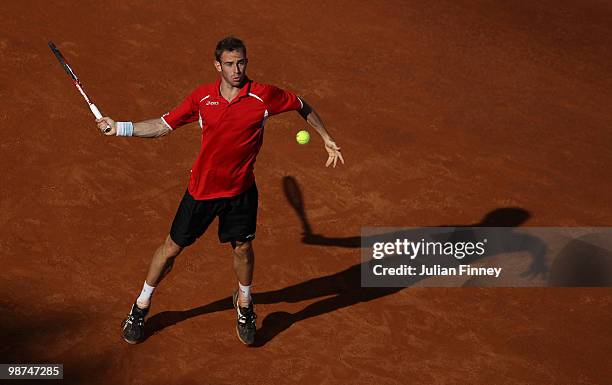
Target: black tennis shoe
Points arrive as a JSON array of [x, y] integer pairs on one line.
[[245, 325], [132, 327]]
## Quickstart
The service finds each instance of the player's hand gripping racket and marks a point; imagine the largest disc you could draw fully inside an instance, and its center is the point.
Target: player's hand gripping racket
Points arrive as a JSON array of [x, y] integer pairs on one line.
[[77, 83]]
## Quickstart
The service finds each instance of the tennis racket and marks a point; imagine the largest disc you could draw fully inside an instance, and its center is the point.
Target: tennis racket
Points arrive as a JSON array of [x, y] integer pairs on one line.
[[94, 110]]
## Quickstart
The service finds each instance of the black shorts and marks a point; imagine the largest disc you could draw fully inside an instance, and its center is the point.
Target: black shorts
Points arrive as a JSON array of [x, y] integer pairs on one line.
[[237, 218]]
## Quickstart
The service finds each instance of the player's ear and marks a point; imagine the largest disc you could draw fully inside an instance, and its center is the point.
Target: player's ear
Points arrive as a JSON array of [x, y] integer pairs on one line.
[[218, 66]]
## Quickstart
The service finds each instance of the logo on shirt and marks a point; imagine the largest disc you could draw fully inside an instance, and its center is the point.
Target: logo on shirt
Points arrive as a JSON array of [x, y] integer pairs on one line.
[[209, 103]]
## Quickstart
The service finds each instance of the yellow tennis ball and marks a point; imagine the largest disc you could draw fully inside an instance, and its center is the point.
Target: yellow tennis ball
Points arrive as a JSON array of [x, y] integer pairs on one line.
[[303, 137]]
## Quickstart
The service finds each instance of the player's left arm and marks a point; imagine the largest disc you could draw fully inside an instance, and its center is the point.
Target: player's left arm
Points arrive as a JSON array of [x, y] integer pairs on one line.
[[311, 116]]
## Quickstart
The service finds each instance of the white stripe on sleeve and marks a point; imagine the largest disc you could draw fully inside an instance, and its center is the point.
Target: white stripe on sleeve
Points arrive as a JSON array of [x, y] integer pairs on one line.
[[166, 123]]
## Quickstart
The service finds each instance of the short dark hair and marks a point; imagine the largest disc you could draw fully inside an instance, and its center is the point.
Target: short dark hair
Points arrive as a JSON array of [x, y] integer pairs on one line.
[[230, 43]]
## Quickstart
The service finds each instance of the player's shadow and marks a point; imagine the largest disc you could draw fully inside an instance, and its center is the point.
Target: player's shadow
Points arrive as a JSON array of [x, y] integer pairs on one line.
[[344, 288]]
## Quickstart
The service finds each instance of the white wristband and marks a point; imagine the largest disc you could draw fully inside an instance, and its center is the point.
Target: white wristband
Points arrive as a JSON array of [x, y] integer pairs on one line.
[[125, 128]]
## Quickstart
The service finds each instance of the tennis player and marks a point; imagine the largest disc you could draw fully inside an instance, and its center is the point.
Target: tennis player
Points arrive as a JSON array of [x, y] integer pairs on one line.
[[232, 113]]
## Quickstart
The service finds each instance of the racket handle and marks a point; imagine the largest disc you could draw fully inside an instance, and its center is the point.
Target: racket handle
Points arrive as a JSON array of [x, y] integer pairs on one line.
[[98, 115], [95, 111]]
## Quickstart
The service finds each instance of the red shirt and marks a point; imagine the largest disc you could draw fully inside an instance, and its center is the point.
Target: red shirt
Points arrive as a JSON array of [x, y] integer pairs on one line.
[[232, 134]]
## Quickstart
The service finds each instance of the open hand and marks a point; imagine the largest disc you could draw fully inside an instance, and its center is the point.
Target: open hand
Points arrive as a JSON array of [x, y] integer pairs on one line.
[[334, 153]]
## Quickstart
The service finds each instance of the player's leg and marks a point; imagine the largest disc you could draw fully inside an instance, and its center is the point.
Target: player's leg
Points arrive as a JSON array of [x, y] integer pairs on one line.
[[132, 327], [244, 262], [161, 264], [237, 224], [191, 220]]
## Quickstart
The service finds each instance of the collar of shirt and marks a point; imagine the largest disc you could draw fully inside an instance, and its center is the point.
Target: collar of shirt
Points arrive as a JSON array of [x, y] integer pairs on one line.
[[244, 91]]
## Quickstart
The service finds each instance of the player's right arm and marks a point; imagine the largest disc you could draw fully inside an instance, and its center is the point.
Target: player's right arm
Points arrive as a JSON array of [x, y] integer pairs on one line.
[[186, 112], [152, 128]]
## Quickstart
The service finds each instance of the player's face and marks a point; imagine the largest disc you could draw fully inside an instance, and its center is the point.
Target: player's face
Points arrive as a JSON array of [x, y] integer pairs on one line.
[[232, 67]]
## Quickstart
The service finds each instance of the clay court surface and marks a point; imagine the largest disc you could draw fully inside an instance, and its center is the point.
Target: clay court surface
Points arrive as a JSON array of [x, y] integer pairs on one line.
[[445, 112]]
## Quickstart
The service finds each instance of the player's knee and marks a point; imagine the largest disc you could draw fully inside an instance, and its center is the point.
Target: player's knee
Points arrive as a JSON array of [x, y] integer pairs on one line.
[[243, 249], [171, 249]]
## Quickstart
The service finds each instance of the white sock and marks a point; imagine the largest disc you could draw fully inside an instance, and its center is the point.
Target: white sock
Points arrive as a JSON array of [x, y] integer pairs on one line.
[[144, 299], [245, 291]]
